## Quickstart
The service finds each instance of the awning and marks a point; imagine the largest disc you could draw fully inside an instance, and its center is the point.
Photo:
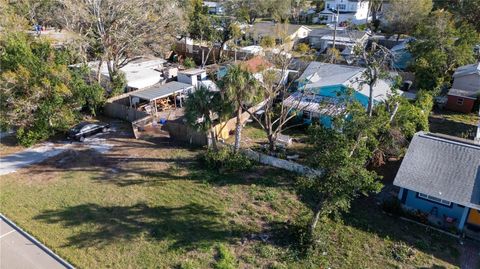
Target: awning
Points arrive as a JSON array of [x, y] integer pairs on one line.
[[161, 91]]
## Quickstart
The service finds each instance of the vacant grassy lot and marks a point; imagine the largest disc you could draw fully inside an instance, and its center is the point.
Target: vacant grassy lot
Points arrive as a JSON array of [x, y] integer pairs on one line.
[[151, 205]]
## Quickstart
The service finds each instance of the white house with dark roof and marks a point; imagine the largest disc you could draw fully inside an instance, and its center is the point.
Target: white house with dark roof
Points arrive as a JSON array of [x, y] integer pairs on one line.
[[345, 40], [440, 177]]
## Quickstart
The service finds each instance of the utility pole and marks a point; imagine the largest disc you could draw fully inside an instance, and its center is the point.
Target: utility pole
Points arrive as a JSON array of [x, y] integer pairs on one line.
[[332, 52], [335, 29]]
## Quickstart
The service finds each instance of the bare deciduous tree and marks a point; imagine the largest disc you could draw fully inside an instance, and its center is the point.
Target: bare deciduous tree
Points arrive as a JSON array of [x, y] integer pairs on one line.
[[274, 92], [123, 30], [376, 60]]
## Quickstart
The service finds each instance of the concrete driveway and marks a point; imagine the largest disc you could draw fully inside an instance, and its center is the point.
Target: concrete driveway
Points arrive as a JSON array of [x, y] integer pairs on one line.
[[12, 163], [19, 250]]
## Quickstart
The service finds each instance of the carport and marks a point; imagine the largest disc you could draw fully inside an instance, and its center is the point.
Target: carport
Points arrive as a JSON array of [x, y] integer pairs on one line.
[[159, 96]]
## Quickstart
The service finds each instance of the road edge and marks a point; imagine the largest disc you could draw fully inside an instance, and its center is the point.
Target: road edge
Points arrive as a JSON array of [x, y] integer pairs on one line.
[[37, 243]]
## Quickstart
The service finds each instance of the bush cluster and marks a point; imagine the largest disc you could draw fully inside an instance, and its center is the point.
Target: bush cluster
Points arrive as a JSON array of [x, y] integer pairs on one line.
[[225, 159]]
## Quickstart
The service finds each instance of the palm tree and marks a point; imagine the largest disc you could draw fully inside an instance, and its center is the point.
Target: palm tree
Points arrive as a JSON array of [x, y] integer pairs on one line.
[[240, 88], [199, 111]]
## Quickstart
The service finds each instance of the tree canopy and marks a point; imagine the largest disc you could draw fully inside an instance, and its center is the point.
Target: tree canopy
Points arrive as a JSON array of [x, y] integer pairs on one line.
[[403, 16], [440, 47], [40, 95]]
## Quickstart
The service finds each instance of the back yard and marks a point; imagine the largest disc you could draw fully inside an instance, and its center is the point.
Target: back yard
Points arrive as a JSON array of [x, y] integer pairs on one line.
[[146, 204], [454, 123]]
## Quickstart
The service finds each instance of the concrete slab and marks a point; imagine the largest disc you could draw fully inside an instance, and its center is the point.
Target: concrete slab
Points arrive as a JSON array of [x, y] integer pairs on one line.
[[19, 250]]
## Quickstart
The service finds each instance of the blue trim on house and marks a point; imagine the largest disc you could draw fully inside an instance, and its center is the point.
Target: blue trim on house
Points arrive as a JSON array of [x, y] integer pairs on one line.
[[412, 201], [337, 91], [463, 220], [440, 204]]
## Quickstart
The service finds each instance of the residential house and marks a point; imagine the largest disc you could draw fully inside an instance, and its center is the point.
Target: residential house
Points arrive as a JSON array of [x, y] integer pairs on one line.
[[345, 40], [322, 86], [197, 78], [140, 73], [465, 89], [214, 8], [353, 11], [440, 178], [284, 33], [256, 66], [191, 76]]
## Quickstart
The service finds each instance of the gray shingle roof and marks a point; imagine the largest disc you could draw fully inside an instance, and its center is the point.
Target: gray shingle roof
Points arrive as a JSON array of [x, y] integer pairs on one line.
[[161, 91], [467, 70], [444, 167], [464, 93], [271, 28], [329, 74]]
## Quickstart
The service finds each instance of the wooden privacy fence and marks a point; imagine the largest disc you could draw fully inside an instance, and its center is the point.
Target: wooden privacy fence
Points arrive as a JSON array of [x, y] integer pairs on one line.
[[181, 132], [195, 52], [119, 111]]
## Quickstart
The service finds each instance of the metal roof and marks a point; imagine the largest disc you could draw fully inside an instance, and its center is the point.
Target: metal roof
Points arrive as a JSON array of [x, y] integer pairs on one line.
[[192, 71], [314, 103], [444, 167], [161, 91]]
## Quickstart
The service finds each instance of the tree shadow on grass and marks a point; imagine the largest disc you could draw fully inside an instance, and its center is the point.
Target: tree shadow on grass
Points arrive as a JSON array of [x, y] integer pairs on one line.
[[124, 169], [368, 216], [188, 227]]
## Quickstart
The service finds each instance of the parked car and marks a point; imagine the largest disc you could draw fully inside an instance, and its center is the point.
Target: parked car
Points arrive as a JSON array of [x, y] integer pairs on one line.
[[85, 129]]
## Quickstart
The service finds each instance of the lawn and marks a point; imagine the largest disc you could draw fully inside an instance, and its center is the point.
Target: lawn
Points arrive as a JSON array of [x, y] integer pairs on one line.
[[152, 205], [454, 123]]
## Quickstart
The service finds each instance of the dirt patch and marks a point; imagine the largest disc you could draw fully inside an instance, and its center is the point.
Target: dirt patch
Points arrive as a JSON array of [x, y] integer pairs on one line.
[[9, 145]]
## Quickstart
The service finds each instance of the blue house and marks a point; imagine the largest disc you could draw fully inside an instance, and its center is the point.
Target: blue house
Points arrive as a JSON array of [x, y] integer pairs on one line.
[[321, 87], [440, 177]]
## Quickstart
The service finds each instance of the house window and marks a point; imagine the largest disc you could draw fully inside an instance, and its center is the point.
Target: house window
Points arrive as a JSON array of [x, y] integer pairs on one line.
[[328, 5], [459, 101], [342, 6], [434, 199]]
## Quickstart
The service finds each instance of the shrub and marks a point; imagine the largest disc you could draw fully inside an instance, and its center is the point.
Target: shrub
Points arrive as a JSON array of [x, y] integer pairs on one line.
[[28, 138], [402, 252], [393, 206], [226, 159], [267, 42], [225, 259], [189, 63], [118, 84], [303, 48]]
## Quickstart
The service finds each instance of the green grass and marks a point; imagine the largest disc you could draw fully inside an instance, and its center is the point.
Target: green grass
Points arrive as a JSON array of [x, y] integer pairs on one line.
[[454, 123], [162, 210]]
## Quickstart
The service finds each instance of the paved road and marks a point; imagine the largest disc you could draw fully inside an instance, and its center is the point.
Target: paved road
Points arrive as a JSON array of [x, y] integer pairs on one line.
[[18, 251]]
